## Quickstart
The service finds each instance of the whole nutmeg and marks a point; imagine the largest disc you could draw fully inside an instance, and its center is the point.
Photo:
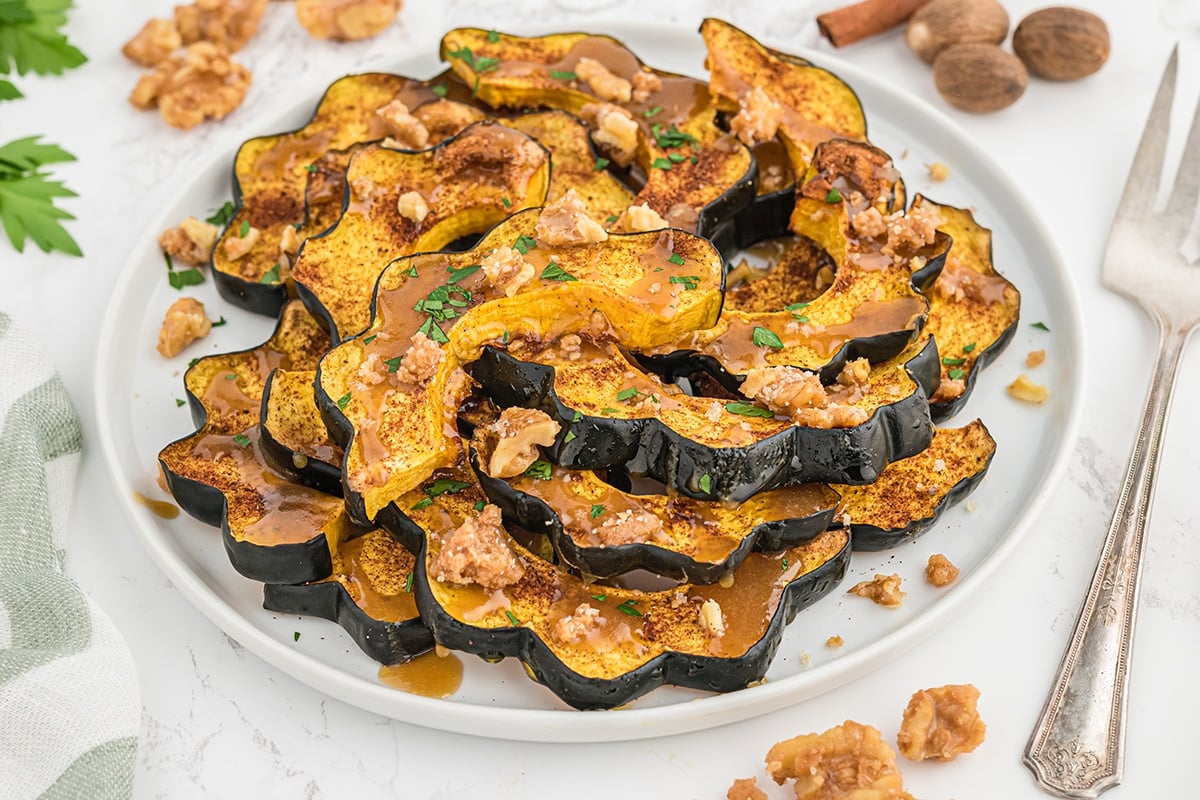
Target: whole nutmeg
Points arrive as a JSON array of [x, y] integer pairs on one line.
[[979, 77], [941, 23], [1062, 44]]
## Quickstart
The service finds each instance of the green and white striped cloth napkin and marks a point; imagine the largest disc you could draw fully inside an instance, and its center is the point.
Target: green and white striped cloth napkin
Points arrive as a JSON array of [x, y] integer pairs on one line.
[[69, 702]]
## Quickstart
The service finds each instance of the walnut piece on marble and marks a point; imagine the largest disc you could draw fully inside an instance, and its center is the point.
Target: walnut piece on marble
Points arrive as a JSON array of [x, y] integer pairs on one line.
[[157, 39], [941, 723], [184, 323], [346, 20], [847, 762], [189, 87], [226, 23]]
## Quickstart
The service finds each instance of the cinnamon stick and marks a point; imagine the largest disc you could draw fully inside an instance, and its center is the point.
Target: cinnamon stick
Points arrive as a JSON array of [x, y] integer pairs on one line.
[[859, 21]]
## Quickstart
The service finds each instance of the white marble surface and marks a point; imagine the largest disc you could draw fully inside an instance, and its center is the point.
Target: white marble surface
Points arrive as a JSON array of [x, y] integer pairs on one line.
[[220, 723]]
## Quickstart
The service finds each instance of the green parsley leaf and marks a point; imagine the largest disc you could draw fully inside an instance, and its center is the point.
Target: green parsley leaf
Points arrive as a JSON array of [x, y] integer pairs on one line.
[[524, 244], [512, 618], [222, 215], [599, 598], [412, 271], [766, 338], [661, 163], [748, 410], [424, 502], [31, 39], [486, 64], [441, 90], [796, 306], [608, 410], [245, 229], [242, 439], [295, 636], [676, 259], [953, 362], [689, 282], [9, 92], [393, 364], [801, 318], [569, 437], [611, 219], [457, 275], [671, 137], [193, 362], [627, 394], [27, 193], [834, 196], [651, 112], [506, 202], [563, 75], [600, 164], [597, 510], [220, 322], [479, 505], [343, 401], [539, 469], [706, 483], [955, 374], [578, 416], [1041, 326], [967, 348], [231, 376], [185, 277], [271, 275], [554, 272], [783, 565], [408, 583], [493, 36], [445, 486], [311, 168], [370, 338], [628, 609], [676, 158], [179, 401]]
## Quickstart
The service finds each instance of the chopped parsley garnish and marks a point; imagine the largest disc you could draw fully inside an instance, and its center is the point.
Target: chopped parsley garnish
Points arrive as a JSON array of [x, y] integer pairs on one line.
[[343, 401], [676, 259], [597, 510], [524, 244], [480, 65], [611, 219], [512, 618], [600, 164], [955, 374], [242, 439], [539, 470], [507, 203], [661, 163], [796, 306], [441, 90], [628, 609], [479, 505], [220, 322], [569, 437], [967, 348], [706, 483], [393, 364], [953, 362], [801, 318], [457, 275], [193, 362], [651, 112], [834, 196], [599, 598], [578, 416], [295, 636], [608, 410], [670, 137], [222, 215], [185, 277], [311, 168], [231, 376], [408, 583], [763, 337], [244, 230], [370, 338], [688, 282], [493, 36], [554, 272], [412, 271], [1041, 326], [445, 486], [271, 275], [627, 394], [424, 502], [676, 158], [563, 75], [748, 410], [782, 564], [179, 401]]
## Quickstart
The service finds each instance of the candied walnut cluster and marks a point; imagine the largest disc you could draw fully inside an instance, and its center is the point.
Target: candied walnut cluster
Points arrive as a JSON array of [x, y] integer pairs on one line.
[[190, 242], [346, 20], [201, 83], [238, 246], [603, 82], [406, 131], [478, 552], [445, 118], [799, 394], [413, 206], [940, 571], [941, 723], [1027, 391], [899, 231], [578, 625], [565, 222], [507, 270], [628, 527], [644, 84], [184, 323], [228, 24], [758, 117], [613, 129], [639, 219], [712, 619], [846, 762], [883, 590], [519, 432], [420, 363]]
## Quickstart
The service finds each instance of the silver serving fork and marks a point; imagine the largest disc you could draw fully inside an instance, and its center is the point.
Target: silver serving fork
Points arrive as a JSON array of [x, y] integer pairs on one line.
[[1077, 747]]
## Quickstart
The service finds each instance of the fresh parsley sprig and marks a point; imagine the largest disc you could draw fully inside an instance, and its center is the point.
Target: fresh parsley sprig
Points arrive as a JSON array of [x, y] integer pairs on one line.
[[28, 192]]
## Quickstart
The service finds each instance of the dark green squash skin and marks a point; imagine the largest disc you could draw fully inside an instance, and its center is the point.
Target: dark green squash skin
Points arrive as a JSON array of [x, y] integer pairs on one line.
[[678, 669], [385, 642], [941, 411], [647, 447], [534, 514], [870, 538], [766, 217], [316, 474]]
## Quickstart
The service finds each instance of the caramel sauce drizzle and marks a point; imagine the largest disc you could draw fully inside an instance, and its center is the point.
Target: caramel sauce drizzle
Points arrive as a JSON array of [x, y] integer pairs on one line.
[[431, 674], [158, 508]]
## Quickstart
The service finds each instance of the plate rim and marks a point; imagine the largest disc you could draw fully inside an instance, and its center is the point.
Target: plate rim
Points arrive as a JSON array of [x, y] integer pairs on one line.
[[709, 711]]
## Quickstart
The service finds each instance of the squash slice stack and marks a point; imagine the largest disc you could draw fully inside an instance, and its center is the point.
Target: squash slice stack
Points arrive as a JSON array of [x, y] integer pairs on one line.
[[688, 464]]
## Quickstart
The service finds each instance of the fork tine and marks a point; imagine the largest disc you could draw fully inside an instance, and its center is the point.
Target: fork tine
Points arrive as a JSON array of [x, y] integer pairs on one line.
[[1187, 179], [1142, 186]]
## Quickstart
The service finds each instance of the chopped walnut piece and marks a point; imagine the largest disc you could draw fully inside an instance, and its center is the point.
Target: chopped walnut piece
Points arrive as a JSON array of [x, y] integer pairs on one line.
[[949, 389], [571, 346], [201, 83], [638, 219], [346, 20], [834, 642], [507, 269], [846, 762], [614, 130], [444, 118], [520, 431], [191, 242], [785, 390], [420, 362], [238, 246], [941, 723], [940, 571], [1027, 391], [644, 84], [373, 370], [938, 171], [406, 129], [869, 223], [289, 241], [628, 527], [478, 551], [566, 222], [757, 119], [1035, 358], [883, 590], [712, 619], [157, 39], [855, 374], [604, 83], [913, 230], [412, 206], [225, 23], [745, 789], [714, 411], [575, 627], [184, 323]]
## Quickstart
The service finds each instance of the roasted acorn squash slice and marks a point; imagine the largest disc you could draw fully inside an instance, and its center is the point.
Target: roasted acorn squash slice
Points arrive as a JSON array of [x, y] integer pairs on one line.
[[273, 529], [695, 541], [912, 494], [294, 439], [368, 593], [615, 278], [695, 176], [973, 310], [468, 183], [271, 174]]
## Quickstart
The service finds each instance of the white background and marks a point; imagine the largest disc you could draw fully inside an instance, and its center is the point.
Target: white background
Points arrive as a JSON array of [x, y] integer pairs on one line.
[[220, 723]]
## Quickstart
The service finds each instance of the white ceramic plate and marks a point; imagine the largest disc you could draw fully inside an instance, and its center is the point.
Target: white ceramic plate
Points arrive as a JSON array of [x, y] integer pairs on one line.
[[135, 389]]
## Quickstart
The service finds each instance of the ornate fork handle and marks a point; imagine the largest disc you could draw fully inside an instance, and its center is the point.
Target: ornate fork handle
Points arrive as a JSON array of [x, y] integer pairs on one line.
[[1077, 748]]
